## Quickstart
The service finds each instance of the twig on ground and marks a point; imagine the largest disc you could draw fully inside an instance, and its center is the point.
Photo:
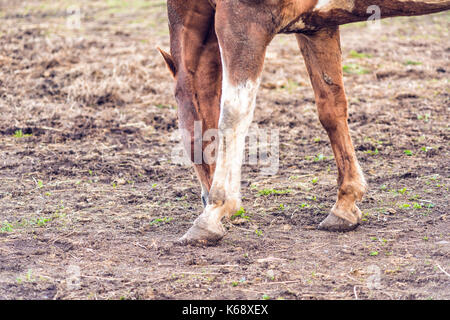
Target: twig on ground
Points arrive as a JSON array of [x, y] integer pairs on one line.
[[442, 270]]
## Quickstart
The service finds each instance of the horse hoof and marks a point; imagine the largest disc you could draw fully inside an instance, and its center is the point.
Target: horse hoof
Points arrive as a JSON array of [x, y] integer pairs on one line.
[[202, 233], [337, 224]]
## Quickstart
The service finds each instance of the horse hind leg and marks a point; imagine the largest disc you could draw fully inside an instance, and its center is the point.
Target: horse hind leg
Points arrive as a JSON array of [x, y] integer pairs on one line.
[[322, 54]]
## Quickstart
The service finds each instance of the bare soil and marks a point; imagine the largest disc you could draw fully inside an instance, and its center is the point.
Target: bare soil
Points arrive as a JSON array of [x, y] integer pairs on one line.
[[88, 123]]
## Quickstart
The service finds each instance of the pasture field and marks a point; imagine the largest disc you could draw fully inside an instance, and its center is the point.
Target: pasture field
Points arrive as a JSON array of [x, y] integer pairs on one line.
[[91, 202]]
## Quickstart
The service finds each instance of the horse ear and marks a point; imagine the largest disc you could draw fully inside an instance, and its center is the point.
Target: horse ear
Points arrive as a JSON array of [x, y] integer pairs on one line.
[[169, 61]]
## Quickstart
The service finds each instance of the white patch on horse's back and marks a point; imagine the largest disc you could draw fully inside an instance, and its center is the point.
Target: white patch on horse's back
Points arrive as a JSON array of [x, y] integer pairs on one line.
[[324, 5], [321, 3]]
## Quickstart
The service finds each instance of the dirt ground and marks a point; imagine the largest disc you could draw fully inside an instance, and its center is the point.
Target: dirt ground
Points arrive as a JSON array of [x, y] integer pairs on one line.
[[90, 201]]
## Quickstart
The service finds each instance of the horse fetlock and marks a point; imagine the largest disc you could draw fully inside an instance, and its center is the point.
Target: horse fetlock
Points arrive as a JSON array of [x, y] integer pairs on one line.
[[354, 190], [207, 229]]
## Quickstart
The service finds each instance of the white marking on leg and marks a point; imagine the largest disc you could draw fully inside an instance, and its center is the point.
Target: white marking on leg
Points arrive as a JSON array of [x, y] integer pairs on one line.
[[236, 114]]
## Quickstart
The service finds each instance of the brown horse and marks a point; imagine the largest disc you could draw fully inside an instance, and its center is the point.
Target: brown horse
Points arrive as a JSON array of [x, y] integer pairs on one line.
[[217, 50]]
